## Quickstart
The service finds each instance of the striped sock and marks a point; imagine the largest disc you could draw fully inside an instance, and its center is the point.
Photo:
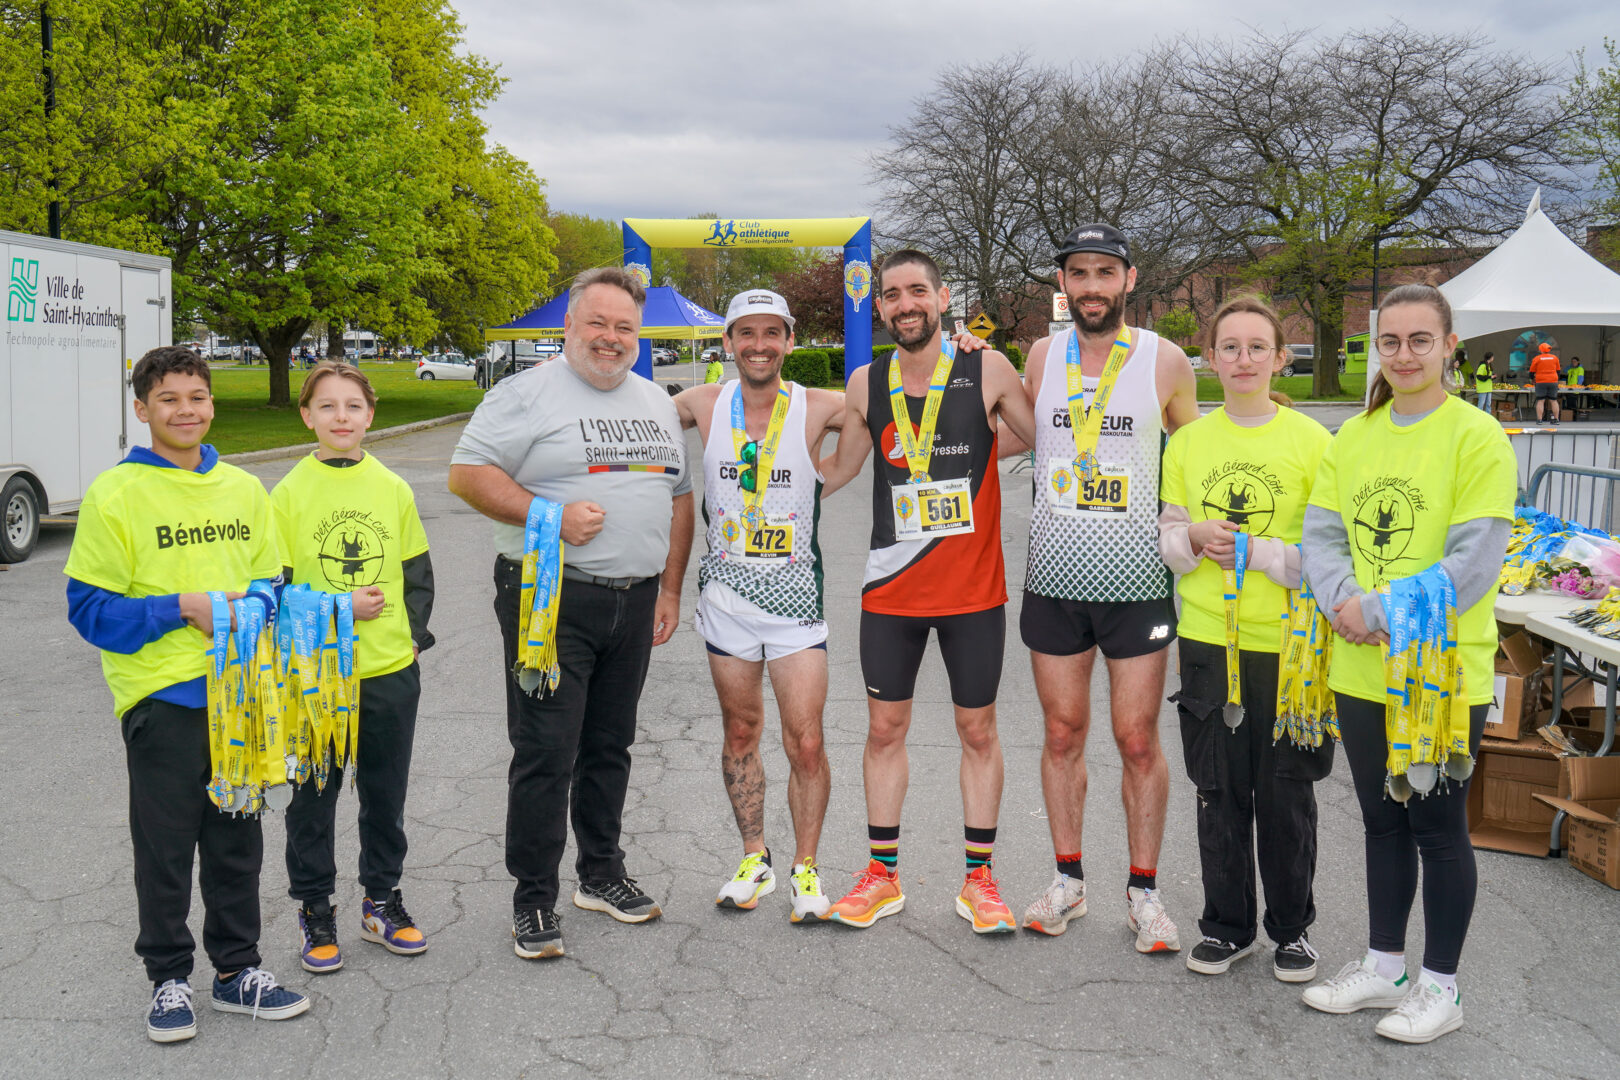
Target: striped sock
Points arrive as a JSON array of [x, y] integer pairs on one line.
[[1070, 865], [981, 845], [885, 844], [1143, 878]]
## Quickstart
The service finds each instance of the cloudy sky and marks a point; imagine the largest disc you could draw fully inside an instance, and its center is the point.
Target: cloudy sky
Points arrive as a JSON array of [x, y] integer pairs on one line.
[[653, 108]]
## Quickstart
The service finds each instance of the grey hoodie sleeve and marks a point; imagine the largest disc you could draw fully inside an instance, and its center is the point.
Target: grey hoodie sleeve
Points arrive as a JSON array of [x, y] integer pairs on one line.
[[1473, 561]]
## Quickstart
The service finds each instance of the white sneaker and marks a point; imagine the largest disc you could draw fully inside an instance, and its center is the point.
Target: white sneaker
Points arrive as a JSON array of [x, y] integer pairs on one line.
[[1150, 922], [1424, 1014], [1063, 900], [1356, 986], [809, 905], [753, 880]]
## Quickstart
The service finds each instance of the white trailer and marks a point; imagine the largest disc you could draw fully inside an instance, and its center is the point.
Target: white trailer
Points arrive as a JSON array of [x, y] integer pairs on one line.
[[77, 319]]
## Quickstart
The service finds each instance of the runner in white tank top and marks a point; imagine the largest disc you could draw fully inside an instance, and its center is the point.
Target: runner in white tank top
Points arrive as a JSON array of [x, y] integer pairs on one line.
[[1095, 579], [760, 582]]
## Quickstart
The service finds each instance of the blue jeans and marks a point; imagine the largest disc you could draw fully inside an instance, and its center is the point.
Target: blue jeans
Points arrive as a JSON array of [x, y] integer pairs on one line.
[[1485, 401]]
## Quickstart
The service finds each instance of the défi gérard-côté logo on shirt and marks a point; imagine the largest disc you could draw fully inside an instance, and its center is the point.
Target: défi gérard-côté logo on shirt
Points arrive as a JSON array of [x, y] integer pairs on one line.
[[351, 549], [1385, 515], [1243, 493]]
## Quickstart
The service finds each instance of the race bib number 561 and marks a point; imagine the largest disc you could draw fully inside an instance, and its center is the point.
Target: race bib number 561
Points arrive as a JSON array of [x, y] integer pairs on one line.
[[934, 508]]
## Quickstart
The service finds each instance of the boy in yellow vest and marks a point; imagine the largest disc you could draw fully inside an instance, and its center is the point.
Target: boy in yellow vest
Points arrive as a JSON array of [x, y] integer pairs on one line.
[[157, 533], [348, 524]]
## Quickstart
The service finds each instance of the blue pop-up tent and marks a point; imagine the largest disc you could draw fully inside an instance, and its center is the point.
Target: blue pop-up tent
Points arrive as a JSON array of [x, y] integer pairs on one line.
[[667, 314]]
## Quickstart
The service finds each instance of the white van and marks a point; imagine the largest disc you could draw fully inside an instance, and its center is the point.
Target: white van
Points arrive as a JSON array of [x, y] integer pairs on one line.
[[77, 318]]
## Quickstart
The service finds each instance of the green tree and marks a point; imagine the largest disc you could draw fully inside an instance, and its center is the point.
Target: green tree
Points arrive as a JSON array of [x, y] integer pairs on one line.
[[583, 243], [1178, 324], [1594, 137]]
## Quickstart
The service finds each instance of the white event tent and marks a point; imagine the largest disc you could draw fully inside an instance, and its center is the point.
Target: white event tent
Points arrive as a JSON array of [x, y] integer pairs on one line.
[[1537, 279]]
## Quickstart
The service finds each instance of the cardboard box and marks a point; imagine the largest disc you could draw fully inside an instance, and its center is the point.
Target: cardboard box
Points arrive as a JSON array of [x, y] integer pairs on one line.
[[1519, 686], [1503, 813], [1566, 414], [1589, 793], [1506, 410]]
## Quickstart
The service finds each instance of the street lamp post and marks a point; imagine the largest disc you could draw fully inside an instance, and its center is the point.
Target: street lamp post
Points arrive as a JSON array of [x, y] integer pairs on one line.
[[46, 48]]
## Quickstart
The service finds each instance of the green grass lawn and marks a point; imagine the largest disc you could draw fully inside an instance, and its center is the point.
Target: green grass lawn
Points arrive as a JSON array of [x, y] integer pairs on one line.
[[1352, 386], [242, 420]]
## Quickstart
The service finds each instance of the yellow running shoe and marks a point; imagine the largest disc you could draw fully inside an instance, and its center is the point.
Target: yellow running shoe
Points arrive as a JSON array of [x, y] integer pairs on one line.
[[876, 894], [753, 880], [980, 904]]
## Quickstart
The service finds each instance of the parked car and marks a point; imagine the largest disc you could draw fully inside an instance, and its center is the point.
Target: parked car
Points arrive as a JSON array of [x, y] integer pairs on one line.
[[715, 352], [1301, 360], [661, 356], [445, 366]]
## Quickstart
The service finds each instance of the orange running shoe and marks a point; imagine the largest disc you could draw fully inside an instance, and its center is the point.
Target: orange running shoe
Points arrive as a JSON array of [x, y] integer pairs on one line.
[[980, 904], [876, 894]]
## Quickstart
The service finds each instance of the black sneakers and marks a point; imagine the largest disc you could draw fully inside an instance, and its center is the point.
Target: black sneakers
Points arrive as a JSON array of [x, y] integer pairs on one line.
[[536, 933], [622, 899], [1295, 961], [1213, 956]]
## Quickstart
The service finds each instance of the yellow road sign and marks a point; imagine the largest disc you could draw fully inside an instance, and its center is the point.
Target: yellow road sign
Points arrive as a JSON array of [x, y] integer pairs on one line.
[[981, 327]]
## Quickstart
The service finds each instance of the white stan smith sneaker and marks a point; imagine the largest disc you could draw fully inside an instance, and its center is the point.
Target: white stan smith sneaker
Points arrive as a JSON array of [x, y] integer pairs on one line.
[[1063, 900], [1150, 922], [1426, 1013], [1356, 986]]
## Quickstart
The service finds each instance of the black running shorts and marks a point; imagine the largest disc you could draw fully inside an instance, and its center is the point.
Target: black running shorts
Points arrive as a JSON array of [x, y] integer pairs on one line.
[[971, 645], [1121, 630], [1545, 390]]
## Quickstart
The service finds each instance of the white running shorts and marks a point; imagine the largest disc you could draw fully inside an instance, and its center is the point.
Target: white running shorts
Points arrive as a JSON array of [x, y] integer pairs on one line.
[[735, 626]]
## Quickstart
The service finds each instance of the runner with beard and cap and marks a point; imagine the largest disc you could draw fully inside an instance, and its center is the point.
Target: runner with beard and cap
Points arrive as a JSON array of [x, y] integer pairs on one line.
[[1105, 396], [935, 564], [760, 586]]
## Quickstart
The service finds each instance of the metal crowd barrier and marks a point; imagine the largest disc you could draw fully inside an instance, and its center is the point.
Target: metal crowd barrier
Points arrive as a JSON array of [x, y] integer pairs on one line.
[[1571, 472]]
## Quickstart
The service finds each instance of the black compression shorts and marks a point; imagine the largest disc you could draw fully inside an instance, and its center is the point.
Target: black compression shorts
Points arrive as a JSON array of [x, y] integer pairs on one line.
[[971, 645]]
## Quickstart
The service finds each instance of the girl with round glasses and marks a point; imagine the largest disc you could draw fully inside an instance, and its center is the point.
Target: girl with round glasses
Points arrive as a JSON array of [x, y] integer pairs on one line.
[[1235, 486], [1415, 492]]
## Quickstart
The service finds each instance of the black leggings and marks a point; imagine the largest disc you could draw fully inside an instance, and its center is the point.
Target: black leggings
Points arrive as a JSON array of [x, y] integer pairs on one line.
[[1434, 827]]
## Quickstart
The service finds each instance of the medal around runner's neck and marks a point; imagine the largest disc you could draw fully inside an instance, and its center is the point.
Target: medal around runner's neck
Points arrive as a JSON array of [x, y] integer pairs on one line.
[[756, 459], [925, 508]]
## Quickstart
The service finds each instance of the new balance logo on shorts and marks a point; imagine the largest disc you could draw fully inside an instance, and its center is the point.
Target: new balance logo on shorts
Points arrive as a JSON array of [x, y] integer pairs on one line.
[[1160, 632]]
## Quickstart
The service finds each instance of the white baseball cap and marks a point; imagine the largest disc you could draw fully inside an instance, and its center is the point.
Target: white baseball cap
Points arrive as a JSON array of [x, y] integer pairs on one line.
[[757, 302]]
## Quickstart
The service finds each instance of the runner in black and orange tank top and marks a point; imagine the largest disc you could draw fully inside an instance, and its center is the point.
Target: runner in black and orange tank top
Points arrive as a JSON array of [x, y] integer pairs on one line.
[[935, 564]]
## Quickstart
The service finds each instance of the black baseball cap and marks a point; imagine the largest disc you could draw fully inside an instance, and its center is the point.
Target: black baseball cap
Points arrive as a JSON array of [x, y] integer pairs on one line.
[[1099, 237]]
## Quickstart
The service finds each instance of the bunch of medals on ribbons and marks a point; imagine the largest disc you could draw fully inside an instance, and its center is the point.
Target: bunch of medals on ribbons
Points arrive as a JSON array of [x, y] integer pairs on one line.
[[1232, 578], [537, 666], [1534, 546], [1425, 709], [1305, 710], [1602, 618], [283, 695]]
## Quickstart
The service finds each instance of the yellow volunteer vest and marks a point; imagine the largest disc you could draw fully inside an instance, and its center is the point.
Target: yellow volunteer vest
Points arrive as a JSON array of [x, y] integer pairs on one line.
[[1259, 478], [1398, 490], [146, 530], [344, 528]]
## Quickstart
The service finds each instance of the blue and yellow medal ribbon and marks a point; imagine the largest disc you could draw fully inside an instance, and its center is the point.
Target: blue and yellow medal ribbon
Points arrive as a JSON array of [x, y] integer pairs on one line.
[[1232, 713], [1425, 711], [919, 448], [220, 700], [539, 598], [1085, 423], [1305, 707], [760, 456]]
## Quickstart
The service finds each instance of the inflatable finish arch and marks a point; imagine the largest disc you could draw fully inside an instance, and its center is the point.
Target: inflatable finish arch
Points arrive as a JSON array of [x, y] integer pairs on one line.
[[854, 235]]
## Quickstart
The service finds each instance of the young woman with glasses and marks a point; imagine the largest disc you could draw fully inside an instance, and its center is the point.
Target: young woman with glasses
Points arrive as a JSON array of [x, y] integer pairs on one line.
[[1418, 488], [1235, 485]]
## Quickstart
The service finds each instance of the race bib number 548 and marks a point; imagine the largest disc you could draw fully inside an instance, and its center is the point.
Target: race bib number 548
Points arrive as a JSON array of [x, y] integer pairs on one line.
[[1106, 491]]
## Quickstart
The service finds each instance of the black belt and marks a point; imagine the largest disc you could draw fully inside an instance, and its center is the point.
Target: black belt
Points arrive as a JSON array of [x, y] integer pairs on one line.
[[572, 574]]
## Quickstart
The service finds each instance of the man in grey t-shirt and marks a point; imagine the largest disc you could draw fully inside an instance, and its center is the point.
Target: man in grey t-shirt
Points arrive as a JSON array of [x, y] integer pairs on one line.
[[608, 445]]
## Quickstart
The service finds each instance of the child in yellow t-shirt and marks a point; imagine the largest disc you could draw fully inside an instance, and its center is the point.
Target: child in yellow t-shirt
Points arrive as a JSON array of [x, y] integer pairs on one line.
[[156, 533], [1241, 475], [1417, 480], [349, 524]]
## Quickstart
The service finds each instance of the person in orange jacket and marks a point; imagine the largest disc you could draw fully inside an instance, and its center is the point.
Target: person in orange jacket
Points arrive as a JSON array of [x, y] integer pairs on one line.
[[1544, 367]]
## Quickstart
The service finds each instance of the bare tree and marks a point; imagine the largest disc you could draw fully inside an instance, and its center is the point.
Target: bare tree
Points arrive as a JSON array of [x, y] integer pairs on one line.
[[1309, 153], [953, 184]]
